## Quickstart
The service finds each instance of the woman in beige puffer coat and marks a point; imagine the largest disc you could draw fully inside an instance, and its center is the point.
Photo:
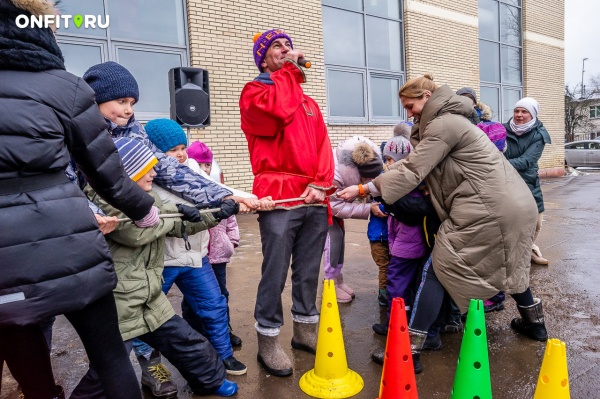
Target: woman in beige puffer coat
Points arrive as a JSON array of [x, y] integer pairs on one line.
[[483, 244]]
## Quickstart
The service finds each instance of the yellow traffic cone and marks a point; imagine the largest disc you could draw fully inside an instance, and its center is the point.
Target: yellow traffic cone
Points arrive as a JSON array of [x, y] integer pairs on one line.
[[553, 382], [331, 377]]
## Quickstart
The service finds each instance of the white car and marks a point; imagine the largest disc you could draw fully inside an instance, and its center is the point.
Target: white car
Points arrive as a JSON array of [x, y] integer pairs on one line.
[[582, 153]]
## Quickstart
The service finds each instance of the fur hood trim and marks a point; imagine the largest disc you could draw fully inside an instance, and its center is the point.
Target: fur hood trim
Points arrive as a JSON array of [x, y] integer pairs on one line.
[[37, 7], [486, 111], [362, 154]]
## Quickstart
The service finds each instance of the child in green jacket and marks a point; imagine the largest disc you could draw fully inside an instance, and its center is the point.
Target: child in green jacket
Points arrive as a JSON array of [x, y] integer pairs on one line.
[[144, 310]]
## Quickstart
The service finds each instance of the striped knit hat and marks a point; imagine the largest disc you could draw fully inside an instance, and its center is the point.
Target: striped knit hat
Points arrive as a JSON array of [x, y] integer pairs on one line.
[[137, 159]]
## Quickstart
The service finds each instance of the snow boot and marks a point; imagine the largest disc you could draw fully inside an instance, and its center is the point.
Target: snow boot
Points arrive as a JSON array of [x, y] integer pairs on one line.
[[531, 322], [382, 297], [272, 357], [305, 337], [417, 341], [339, 282]]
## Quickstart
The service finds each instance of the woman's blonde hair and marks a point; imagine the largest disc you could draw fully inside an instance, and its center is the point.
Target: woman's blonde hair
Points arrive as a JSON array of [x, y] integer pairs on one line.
[[415, 87]]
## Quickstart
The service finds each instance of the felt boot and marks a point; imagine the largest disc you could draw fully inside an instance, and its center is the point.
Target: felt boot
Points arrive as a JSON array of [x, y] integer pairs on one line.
[[305, 337], [272, 357]]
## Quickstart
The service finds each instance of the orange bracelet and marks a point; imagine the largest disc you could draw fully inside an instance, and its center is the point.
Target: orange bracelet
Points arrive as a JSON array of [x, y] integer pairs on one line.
[[361, 190]]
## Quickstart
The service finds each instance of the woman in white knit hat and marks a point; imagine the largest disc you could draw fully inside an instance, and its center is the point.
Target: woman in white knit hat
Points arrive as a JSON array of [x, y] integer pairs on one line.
[[525, 139]]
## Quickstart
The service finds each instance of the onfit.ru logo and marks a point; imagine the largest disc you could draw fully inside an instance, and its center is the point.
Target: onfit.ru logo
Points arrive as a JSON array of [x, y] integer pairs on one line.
[[46, 21]]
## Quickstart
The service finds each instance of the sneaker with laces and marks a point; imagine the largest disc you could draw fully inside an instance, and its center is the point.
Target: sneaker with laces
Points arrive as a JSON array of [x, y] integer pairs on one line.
[[156, 377], [234, 366]]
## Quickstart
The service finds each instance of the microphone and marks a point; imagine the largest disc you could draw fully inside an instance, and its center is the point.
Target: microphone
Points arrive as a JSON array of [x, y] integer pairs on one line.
[[304, 62]]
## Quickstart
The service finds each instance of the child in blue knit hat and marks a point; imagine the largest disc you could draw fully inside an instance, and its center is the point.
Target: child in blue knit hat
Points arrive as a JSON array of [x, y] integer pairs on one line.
[[143, 308], [187, 264], [116, 93]]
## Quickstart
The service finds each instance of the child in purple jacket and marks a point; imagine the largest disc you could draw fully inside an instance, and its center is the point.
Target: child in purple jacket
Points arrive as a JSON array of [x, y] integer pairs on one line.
[[406, 243]]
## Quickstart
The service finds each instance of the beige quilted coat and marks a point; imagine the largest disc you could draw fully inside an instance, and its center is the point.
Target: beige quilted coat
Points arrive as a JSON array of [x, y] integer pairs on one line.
[[488, 214]]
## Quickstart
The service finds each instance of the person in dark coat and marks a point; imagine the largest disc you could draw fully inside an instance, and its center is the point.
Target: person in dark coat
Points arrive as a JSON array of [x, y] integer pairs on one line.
[[53, 257], [526, 137]]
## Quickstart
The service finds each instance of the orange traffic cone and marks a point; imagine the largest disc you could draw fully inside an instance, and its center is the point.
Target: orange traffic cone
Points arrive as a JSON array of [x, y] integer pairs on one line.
[[398, 377]]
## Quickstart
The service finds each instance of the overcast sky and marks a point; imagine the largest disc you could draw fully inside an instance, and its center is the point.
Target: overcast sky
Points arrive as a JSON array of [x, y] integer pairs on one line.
[[582, 39]]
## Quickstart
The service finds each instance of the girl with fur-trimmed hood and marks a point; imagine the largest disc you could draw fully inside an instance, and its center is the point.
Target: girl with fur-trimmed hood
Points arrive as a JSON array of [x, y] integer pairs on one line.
[[357, 161]]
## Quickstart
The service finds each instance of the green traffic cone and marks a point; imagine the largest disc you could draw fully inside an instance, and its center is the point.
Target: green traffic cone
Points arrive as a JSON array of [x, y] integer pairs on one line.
[[472, 378]]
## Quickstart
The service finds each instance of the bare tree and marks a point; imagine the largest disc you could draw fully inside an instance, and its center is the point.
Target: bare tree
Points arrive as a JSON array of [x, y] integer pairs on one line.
[[577, 106]]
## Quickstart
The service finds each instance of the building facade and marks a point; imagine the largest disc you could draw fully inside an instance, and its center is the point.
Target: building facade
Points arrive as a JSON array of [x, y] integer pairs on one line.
[[361, 51]]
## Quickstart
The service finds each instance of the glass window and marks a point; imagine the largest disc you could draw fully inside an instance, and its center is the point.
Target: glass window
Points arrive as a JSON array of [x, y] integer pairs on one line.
[[491, 97], [500, 55], [345, 90], [148, 37], [156, 21], [80, 57], [511, 65], [385, 101], [595, 111], [510, 25], [344, 37], [153, 82], [383, 37], [509, 99], [488, 20], [383, 8], [354, 5], [88, 7], [489, 61], [364, 51]]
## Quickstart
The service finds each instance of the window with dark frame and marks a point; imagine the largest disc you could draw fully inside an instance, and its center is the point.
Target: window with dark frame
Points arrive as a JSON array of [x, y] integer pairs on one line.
[[595, 111], [500, 56], [364, 60], [148, 38]]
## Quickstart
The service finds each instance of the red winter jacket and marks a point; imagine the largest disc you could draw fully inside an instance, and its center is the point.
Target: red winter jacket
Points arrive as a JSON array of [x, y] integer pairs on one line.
[[287, 137]]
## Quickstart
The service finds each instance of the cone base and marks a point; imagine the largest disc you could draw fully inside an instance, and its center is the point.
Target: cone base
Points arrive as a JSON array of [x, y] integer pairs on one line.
[[344, 387]]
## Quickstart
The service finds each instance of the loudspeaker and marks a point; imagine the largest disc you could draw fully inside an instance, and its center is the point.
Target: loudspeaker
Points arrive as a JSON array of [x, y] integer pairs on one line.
[[190, 99]]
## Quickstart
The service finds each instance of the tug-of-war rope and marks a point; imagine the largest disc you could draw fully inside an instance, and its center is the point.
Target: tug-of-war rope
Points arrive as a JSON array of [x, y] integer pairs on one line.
[[211, 210]]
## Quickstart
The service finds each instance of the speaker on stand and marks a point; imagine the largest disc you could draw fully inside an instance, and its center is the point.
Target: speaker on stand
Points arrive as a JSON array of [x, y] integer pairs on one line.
[[190, 97]]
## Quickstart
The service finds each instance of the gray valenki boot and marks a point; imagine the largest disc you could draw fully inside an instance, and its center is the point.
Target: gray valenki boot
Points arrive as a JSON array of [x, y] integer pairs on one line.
[[531, 322], [417, 341], [156, 377], [305, 337], [272, 356]]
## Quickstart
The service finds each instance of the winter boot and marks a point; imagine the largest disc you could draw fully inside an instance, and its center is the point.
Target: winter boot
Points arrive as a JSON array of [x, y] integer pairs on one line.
[[305, 337], [378, 356], [272, 357], [417, 341], [537, 258], [234, 339], [380, 328], [433, 341], [382, 297], [228, 388], [341, 295], [340, 283], [531, 322], [156, 377]]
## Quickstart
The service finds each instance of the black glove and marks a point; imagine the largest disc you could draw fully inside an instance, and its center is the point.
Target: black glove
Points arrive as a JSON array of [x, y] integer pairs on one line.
[[190, 213], [228, 207]]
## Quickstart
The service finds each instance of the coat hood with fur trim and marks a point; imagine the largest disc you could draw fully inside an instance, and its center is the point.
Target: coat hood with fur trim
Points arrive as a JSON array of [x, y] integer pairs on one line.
[[37, 7], [346, 172]]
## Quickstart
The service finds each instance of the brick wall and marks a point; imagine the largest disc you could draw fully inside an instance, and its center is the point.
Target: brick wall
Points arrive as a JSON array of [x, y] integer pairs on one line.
[[441, 37], [543, 70]]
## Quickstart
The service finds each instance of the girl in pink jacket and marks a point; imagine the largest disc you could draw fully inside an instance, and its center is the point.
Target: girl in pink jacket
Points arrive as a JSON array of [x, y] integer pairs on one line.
[[357, 161]]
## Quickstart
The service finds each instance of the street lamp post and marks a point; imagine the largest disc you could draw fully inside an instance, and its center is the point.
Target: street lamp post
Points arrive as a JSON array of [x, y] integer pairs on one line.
[[582, 71]]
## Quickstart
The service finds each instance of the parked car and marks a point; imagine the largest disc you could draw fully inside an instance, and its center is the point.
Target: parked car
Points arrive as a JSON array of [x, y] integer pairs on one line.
[[582, 153]]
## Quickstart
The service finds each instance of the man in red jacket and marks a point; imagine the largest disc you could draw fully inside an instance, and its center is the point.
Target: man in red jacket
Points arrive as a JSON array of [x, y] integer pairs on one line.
[[291, 157]]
